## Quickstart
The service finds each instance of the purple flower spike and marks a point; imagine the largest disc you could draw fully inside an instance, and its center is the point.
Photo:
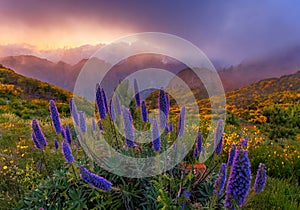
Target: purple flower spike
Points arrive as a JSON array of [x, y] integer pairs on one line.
[[128, 127], [67, 152], [231, 155], [220, 181], [198, 148], [74, 112], [144, 112], [261, 176], [105, 100], [186, 194], [218, 138], [171, 127], [166, 129], [112, 111], [38, 133], [137, 94], [94, 127], [181, 122], [63, 133], [155, 136], [243, 143], [162, 104], [68, 134], [100, 102], [100, 125], [167, 108], [82, 122], [118, 106], [55, 143], [239, 180], [36, 142], [55, 117], [94, 180]]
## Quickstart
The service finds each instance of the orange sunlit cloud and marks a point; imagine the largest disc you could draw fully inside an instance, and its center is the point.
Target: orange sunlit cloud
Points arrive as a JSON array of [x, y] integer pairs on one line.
[[70, 33]]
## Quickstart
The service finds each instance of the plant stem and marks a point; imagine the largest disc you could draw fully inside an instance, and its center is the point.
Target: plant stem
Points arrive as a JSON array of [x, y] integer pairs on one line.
[[72, 164]]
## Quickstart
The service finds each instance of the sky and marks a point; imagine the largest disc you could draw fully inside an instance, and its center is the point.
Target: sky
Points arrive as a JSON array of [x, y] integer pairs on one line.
[[229, 31]]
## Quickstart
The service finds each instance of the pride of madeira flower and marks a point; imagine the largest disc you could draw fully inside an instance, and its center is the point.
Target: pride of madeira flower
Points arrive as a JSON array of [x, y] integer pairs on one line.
[[74, 112], [198, 147], [37, 132], [231, 155], [137, 94], [218, 138], [94, 179], [261, 176], [220, 181], [239, 180], [155, 136], [82, 122], [67, 152], [128, 128], [55, 117], [163, 108], [181, 122], [144, 112], [100, 102]]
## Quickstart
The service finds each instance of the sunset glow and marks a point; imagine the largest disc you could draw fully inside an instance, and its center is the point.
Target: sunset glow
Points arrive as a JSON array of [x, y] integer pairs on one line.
[[70, 35]]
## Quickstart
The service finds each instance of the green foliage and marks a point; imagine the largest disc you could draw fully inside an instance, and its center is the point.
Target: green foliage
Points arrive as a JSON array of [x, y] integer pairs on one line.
[[283, 159], [278, 194], [282, 122]]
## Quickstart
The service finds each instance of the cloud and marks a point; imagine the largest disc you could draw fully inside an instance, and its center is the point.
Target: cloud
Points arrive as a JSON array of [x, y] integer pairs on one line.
[[229, 31]]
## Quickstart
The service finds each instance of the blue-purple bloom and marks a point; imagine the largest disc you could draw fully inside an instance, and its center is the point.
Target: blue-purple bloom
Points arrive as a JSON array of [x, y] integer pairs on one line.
[[218, 138], [162, 104], [186, 194], [137, 94], [105, 100], [171, 127], [260, 180], [36, 142], [181, 122], [239, 180], [100, 125], [74, 112], [55, 116], [68, 134], [220, 181], [167, 110], [38, 133], [55, 143], [94, 179], [63, 133], [118, 105], [94, 127], [155, 136], [198, 148], [166, 129], [67, 152], [231, 155], [128, 127], [100, 102], [112, 111], [82, 122], [243, 143], [144, 112]]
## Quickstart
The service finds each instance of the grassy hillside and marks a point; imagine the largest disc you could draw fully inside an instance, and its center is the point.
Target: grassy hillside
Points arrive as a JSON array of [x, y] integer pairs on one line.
[[255, 113], [272, 104], [28, 98]]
